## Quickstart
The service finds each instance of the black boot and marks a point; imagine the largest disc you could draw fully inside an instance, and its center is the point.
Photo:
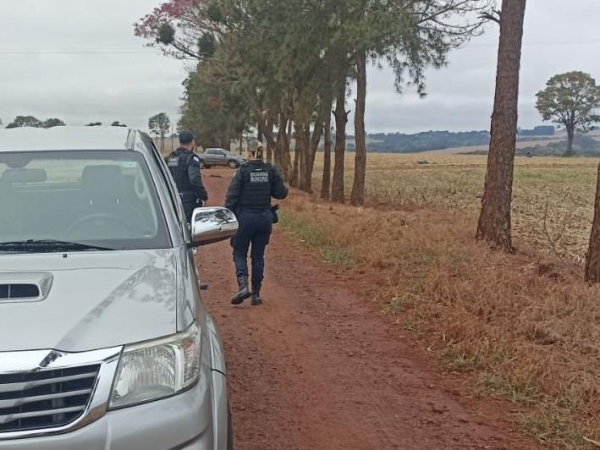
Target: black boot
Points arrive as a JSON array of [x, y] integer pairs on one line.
[[256, 298], [243, 292], [203, 286]]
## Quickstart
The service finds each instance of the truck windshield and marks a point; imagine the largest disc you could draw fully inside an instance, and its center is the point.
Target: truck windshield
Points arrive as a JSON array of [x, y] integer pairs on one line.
[[84, 200]]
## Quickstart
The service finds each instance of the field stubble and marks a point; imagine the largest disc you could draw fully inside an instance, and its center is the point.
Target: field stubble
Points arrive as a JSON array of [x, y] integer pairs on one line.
[[524, 327], [553, 198]]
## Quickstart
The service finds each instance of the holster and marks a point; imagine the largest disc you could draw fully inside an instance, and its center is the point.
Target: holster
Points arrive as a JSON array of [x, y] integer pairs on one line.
[[274, 210]]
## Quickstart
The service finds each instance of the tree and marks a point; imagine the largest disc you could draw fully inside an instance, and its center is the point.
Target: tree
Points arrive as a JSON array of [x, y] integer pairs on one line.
[[160, 125], [341, 119], [495, 220], [214, 114], [410, 36], [360, 161], [94, 124], [261, 53], [51, 123], [25, 121], [570, 99], [326, 178], [184, 29], [118, 124]]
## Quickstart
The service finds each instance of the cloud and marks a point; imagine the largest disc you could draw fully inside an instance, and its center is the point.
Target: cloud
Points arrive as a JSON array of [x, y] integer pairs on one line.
[[48, 68], [52, 66]]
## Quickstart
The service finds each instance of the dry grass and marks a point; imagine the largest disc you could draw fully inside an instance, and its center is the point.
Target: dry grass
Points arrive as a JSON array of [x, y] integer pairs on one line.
[[553, 197], [524, 326]]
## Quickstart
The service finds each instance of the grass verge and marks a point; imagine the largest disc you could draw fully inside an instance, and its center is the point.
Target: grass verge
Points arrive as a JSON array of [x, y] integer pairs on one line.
[[313, 236]]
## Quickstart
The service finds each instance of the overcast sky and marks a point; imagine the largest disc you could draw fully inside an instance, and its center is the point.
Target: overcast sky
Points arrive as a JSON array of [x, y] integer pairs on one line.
[[78, 60]]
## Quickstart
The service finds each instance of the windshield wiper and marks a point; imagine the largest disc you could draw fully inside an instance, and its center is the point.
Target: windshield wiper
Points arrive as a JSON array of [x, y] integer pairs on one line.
[[48, 245]]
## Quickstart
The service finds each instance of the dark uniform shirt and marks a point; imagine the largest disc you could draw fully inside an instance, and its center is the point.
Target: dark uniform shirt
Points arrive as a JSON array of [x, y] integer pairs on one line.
[[185, 169], [253, 186]]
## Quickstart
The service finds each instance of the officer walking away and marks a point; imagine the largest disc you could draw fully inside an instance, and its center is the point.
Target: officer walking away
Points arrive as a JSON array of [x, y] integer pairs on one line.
[[249, 197], [184, 165]]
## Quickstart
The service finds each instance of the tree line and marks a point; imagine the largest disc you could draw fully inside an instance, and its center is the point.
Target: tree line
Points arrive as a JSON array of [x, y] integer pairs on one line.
[[284, 69], [439, 140], [33, 122]]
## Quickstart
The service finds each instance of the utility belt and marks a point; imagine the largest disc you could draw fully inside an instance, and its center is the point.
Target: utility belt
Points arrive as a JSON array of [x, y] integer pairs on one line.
[[256, 210]]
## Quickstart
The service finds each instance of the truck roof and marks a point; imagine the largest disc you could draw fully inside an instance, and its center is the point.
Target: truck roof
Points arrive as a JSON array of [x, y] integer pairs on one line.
[[67, 138]]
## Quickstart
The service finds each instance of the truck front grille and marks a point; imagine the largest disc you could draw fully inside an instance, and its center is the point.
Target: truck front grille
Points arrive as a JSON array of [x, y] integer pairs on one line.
[[45, 399]]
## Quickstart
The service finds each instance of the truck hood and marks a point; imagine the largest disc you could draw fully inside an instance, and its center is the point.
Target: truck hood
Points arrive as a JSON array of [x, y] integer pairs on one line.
[[94, 300]]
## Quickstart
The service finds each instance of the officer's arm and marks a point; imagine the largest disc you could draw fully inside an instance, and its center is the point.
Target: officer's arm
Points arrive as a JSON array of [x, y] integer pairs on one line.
[[278, 188], [234, 193], [196, 179]]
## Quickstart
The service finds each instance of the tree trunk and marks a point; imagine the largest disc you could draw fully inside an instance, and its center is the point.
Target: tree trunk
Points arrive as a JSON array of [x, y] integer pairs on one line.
[[282, 149], [325, 111], [290, 131], [495, 219], [302, 152], [279, 148], [241, 148], [326, 179], [570, 139], [360, 167], [287, 157], [270, 142], [295, 175], [279, 145], [306, 180], [312, 145], [226, 138], [266, 132], [260, 132], [296, 167], [341, 118], [592, 266]]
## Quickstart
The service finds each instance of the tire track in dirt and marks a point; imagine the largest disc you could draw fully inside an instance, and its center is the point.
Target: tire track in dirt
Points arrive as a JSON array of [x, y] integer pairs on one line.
[[317, 368]]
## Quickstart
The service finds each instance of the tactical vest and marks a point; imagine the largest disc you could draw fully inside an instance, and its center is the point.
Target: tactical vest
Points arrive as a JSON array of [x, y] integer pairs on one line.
[[256, 190], [178, 164]]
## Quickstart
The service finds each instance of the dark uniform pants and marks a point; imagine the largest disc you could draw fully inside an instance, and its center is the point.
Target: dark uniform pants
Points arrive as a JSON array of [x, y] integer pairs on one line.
[[254, 229], [190, 202]]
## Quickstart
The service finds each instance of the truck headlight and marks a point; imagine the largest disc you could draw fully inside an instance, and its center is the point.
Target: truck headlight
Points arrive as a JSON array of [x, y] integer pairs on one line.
[[157, 369]]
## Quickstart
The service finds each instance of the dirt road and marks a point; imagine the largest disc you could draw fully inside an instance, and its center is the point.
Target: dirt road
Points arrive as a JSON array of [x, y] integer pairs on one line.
[[317, 368]]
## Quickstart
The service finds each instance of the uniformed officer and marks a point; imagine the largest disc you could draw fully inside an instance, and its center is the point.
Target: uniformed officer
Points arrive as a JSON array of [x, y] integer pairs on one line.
[[249, 197], [184, 165]]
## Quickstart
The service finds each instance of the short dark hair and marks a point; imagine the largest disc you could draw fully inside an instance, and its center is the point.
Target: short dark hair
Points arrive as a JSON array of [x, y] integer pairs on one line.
[[186, 137]]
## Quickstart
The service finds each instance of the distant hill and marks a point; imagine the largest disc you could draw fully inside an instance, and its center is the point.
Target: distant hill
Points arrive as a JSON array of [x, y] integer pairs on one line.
[[440, 140], [584, 145]]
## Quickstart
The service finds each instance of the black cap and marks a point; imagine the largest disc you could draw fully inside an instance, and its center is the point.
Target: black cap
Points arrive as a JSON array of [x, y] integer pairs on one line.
[[186, 137]]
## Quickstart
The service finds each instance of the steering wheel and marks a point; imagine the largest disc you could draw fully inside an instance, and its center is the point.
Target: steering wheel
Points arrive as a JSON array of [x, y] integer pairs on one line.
[[101, 217]]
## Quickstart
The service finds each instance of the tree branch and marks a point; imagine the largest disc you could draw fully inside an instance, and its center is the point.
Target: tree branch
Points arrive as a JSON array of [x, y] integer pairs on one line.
[[493, 16]]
